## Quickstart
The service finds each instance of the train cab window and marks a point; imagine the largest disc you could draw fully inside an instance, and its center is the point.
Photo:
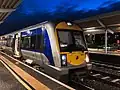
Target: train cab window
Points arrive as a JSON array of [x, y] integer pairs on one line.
[[71, 40], [79, 41]]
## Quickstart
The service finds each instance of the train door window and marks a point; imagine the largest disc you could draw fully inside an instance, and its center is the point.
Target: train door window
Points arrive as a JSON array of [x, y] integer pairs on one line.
[[39, 39], [26, 42], [33, 41]]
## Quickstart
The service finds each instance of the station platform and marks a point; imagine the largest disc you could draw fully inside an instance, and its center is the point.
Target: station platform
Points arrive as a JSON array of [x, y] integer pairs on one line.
[[15, 75], [102, 51], [8, 81]]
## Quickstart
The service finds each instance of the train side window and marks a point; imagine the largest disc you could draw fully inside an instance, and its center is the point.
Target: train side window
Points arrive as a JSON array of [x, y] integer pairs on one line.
[[32, 40], [8, 41]]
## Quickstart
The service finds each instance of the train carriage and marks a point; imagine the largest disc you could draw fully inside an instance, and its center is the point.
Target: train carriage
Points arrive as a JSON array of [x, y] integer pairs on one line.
[[57, 48]]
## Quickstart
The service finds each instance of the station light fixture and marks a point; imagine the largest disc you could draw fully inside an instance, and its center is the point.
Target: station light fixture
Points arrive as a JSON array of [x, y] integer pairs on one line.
[[92, 28], [69, 23], [88, 34]]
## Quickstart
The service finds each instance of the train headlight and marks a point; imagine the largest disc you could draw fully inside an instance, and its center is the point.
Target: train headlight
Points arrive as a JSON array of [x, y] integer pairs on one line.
[[87, 58], [63, 60]]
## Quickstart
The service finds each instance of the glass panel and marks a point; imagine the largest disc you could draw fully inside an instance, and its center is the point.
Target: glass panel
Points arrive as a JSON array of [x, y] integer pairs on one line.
[[38, 45], [26, 42], [71, 40], [33, 42], [98, 42]]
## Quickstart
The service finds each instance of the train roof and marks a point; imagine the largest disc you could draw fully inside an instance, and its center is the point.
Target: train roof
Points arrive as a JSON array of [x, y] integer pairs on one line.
[[55, 22], [26, 28]]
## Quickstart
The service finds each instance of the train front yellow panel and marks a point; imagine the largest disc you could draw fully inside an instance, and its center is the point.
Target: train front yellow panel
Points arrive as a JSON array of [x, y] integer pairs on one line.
[[76, 58]]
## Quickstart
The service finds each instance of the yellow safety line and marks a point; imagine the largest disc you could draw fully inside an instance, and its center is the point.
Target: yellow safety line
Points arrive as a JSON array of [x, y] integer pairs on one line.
[[17, 77]]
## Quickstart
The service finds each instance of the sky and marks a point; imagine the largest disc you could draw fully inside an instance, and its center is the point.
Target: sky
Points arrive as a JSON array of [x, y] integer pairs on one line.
[[31, 12]]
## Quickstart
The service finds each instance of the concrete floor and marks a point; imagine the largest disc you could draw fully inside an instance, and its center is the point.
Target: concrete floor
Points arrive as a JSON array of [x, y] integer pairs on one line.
[[7, 80]]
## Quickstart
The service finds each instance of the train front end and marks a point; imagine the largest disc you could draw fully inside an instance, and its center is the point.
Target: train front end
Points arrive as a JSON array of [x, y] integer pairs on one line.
[[72, 48]]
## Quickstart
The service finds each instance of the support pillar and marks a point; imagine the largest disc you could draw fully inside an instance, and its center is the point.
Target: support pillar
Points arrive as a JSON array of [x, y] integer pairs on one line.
[[105, 41]]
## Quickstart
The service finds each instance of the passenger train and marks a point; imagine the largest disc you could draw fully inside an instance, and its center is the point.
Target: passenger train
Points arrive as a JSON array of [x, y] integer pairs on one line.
[[57, 48]]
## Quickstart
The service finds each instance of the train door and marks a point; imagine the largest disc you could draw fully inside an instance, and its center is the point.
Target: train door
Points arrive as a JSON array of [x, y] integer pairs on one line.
[[39, 46], [28, 45], [16, 46]]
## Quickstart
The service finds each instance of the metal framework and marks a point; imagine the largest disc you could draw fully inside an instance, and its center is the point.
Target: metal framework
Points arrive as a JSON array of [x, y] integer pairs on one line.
[[6, 7], [109, 22]]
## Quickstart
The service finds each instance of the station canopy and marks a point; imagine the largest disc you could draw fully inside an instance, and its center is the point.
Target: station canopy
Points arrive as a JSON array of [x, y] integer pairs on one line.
[[7, 7], [100, 23]]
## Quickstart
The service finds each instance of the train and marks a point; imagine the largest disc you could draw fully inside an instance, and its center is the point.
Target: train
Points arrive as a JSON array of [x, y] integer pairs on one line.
[[56, 48]]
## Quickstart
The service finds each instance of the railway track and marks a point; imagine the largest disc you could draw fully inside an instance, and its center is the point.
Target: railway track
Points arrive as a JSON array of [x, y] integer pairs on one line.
[[105, 68], [106, 73], [75, 83], [104, 77], [101, 77]]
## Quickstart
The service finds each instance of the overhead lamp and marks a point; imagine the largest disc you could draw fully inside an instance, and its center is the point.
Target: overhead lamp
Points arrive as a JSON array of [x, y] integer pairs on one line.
[[88, 34], [90, 28], [69, 24], [94, 30]]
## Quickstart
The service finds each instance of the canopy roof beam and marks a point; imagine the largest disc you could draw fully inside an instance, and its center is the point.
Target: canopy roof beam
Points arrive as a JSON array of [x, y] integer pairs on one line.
[[101, 23], [3, 10]]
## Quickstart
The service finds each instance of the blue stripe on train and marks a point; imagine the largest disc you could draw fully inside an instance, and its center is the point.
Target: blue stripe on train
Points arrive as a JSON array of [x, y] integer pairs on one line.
[[47, 49]]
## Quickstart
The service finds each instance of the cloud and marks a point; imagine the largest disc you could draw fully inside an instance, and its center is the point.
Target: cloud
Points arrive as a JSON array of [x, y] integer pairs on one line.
[[107, 3]]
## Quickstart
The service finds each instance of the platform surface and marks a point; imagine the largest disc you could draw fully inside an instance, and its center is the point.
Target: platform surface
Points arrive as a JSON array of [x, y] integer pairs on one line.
[[31, 76], [8, 81]]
